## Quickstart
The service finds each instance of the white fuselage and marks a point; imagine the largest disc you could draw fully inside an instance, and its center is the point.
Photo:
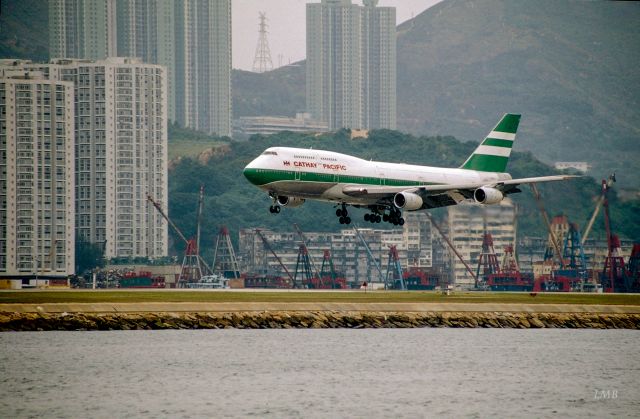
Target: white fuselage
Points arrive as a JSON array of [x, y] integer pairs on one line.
[[323, 175]]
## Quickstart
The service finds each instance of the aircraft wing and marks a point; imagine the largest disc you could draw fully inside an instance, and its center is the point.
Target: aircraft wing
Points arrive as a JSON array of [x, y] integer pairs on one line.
[[444, 194]]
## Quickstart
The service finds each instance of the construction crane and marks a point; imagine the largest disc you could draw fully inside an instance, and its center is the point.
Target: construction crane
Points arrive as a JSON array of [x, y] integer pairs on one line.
[[487, 261], [552, 236], [452, 247], [193, 266], [609, 182], [304, 243], [328, 272], [303, 268], [394, 278], [614, 278], [268, 246], [372, 259]]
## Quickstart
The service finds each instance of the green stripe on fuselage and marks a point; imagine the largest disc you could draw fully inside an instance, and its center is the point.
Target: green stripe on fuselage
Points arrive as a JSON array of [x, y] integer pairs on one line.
[[261, 177], [498, 143]]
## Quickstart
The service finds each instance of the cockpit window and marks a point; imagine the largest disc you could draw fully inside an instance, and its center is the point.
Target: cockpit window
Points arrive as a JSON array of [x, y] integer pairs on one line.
[[269, 153]]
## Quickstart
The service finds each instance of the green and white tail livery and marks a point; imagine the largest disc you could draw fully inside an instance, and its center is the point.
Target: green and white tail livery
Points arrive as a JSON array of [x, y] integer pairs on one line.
[[493, 153]]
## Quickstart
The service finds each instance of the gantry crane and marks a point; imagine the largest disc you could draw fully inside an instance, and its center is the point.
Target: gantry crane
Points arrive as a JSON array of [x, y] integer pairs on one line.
[[304, 243], [395, 277], [193, 266], [224, 257], [372, 259]]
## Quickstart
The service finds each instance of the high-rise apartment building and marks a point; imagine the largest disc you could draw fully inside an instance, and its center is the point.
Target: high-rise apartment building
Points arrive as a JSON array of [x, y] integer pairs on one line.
[[191, 38], [82, 29], [121, 152], [36, 175], [379, 66], [467, 224], [203, 65], [351, 64]]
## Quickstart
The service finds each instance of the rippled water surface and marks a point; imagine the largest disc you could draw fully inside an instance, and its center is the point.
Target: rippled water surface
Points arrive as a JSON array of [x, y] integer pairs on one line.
[[321, 373]]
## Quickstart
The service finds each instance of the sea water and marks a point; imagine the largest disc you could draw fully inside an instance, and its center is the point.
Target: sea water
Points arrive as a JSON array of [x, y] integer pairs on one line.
[[326, 373]]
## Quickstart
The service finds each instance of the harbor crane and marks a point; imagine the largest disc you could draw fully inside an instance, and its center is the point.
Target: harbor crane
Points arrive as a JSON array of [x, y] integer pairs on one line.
[[606, 185], [193, 266]]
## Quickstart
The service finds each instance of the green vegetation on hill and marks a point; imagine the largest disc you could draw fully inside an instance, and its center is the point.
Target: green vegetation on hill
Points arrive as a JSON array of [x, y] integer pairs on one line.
[[570, 68], [185, 142], [24, 29], [232, 201], [280, 92]]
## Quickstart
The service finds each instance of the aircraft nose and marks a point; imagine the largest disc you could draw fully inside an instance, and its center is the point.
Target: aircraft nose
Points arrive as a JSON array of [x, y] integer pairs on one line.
[[251, 174]]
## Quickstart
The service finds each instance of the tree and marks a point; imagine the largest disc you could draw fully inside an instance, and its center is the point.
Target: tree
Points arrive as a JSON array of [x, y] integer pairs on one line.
[[88, 255]]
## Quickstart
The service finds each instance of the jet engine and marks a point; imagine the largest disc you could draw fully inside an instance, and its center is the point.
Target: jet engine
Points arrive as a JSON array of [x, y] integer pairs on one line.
[[287, 201], [407, 200], [487, 195]]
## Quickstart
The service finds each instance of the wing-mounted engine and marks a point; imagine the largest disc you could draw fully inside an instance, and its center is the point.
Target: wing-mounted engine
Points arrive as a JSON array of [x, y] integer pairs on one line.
[[287, 201], [408, 201], [487, 196]]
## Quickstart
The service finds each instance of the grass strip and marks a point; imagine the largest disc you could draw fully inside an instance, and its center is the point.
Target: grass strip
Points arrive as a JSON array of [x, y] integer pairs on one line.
[[139, 296]]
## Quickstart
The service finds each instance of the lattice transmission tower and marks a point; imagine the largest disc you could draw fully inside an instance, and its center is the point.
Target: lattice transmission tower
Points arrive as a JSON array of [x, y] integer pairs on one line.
[[262, 61]]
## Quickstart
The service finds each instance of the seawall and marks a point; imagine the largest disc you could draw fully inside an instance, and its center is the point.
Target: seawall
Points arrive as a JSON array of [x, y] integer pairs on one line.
[[147, 316]]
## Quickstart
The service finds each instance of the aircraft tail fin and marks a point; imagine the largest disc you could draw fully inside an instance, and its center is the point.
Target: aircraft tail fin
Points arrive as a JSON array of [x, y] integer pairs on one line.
[[493, 153]]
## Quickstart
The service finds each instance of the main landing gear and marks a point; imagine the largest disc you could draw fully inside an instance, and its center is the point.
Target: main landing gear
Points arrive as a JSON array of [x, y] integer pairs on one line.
[[394, 216], [343, 215]]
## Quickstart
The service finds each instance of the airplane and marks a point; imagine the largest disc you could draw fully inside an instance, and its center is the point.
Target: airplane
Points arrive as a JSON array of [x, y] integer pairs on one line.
[[293, 175]]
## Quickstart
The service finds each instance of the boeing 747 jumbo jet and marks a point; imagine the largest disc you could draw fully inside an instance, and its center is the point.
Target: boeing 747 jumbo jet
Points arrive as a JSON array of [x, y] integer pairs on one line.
[[293, 175]]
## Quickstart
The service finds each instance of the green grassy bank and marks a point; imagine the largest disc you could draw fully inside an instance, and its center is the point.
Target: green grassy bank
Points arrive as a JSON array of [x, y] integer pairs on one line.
[[103, 296]]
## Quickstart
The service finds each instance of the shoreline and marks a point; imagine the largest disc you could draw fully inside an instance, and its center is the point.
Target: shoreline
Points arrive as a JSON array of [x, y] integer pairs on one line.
[[155, 316]]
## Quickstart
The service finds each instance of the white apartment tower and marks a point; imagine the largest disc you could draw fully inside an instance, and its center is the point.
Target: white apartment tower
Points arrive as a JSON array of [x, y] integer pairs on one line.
[[121, 152], [467, 224], [82, 29], [36, 176], [203, 65], [351, 64], [192, 39]]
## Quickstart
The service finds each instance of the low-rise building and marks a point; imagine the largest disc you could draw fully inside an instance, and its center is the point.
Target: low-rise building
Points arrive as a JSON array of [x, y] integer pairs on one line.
[[302, 122]]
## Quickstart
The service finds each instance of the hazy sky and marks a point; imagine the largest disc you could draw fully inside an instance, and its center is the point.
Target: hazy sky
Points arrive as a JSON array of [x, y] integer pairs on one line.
[[286, 20]]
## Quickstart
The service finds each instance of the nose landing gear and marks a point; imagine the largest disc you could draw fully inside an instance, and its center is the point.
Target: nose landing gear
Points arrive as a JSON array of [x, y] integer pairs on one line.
[[274, 209]]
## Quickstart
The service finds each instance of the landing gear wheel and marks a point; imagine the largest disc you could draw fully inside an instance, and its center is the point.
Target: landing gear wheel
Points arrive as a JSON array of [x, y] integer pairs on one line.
[[385, 218], [401, 221], [367, 217], [378, 218], [347, 220], [339, 212], [342, 220]]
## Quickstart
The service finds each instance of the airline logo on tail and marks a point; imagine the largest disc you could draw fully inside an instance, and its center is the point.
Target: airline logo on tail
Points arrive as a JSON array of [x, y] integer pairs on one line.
[[493, 153]]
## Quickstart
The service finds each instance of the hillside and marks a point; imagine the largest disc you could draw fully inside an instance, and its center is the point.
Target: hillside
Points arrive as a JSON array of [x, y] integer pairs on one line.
[[231, 200], [24, 29], [279, 92], [570, 67]]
